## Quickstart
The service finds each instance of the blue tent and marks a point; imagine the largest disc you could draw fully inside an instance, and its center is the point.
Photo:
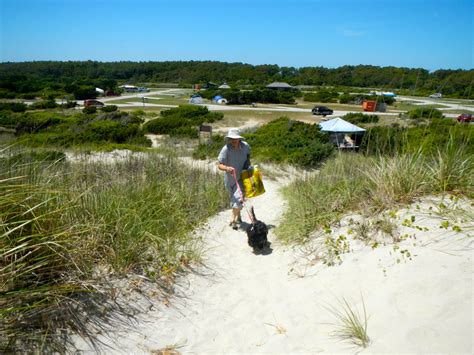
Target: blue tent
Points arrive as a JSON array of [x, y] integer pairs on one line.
[[195, 99]]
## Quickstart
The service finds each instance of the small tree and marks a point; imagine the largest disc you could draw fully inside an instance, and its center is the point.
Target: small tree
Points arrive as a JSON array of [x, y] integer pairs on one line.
[[89, 110]]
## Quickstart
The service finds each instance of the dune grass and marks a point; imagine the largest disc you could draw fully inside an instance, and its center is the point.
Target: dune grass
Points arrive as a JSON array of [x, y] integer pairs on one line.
[[351, 326], [61, 221], [353, 182]]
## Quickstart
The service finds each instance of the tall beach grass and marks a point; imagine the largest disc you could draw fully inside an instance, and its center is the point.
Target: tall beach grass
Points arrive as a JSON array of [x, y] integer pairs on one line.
[[353, 182], [60, 221]]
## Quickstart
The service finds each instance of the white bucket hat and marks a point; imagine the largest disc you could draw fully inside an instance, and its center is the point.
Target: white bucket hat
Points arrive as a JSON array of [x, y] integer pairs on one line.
[[234, 133]]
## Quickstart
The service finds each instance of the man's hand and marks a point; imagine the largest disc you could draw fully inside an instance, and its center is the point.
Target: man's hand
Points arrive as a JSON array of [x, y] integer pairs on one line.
[[229, 169]]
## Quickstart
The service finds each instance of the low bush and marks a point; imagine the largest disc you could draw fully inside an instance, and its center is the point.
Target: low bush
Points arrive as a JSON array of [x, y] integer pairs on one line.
[[182, 121], [45, 129], [236, 97], [89, 110], [386, 140], [346, 99], [109, 108], [321, 96], [359, 117], [45, 104], [35, 122], [424, 113], [281, 141], [13, 106], [294, 142], [9, 119]]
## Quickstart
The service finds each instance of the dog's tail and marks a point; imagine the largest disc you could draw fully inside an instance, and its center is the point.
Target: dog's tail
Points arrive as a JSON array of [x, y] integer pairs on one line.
[[252, 213]]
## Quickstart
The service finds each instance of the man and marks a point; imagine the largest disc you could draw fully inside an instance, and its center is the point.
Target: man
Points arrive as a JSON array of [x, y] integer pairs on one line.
[[234, 157]]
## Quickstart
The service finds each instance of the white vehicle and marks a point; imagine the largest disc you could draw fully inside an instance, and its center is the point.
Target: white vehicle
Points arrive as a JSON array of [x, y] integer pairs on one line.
[[436, 95]]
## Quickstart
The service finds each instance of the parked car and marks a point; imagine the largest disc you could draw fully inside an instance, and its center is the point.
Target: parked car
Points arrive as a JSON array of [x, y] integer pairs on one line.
[[436, 95], [92, 102], [322, 110], [465, 117]]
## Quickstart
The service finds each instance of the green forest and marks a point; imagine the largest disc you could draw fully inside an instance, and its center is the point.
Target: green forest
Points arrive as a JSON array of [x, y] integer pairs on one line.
[[27, 79]]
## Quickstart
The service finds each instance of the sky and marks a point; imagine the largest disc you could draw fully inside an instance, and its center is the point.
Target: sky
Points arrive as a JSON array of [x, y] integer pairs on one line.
[[429, 34]]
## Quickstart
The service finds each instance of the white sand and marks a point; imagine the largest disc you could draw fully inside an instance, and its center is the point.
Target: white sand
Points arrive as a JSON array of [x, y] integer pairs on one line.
[[242, 303]]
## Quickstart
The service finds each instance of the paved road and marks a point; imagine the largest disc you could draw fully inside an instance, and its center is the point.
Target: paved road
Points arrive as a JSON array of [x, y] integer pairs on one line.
[[429, 101]]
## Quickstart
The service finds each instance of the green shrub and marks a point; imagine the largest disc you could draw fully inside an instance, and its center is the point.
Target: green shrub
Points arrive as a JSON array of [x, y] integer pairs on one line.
[[107, 131], [182, 121], [424, 113], [285, 140], [69, 104], [210, 149], [281, 140], [6, 94], [89, 110], [13, 106], [45, 129], [385, 140], [236, 97], [9, 119], [45, 104], [118, 116], [346, 98], [37, 122], [321, 96], [109, 108], [359, 117], [28, 96]]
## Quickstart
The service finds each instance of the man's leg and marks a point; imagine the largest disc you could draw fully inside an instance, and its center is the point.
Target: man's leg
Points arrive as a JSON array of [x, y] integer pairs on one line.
[[236, 215], [236, 203]]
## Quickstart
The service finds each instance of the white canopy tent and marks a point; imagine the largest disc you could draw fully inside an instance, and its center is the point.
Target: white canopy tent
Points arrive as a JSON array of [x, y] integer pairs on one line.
[[339, 129]]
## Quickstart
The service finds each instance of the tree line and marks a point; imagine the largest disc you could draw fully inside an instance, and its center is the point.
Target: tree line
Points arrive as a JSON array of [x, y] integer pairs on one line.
[[55, 76]]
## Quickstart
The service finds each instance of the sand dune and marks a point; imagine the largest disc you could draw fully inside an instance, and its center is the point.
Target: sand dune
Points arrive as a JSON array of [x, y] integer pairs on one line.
[[418, 295]]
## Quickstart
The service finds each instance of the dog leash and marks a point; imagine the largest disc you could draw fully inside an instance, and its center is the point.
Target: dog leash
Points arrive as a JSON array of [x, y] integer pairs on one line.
[[242, 196]]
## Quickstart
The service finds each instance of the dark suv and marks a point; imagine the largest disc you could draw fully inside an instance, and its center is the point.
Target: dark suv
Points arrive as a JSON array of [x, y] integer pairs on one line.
[[322, 110]]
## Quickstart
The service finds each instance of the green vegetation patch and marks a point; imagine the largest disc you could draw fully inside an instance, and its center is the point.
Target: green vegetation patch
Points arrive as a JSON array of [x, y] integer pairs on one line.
[[359, 117], [182, 121], [428, 136], [49, 128], [281, 141]]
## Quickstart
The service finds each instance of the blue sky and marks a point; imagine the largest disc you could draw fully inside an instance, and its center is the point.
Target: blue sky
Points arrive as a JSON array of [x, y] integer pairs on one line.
[[430, 34]]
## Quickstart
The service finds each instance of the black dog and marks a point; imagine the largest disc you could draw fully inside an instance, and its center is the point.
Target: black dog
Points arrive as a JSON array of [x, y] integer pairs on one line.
[[257, 233]]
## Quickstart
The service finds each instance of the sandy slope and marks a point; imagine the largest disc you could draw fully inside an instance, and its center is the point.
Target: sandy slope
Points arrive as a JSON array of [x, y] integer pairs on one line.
[[277, 303]]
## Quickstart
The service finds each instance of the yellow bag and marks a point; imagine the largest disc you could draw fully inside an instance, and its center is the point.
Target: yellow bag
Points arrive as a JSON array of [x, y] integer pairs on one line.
[[253, 183]]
